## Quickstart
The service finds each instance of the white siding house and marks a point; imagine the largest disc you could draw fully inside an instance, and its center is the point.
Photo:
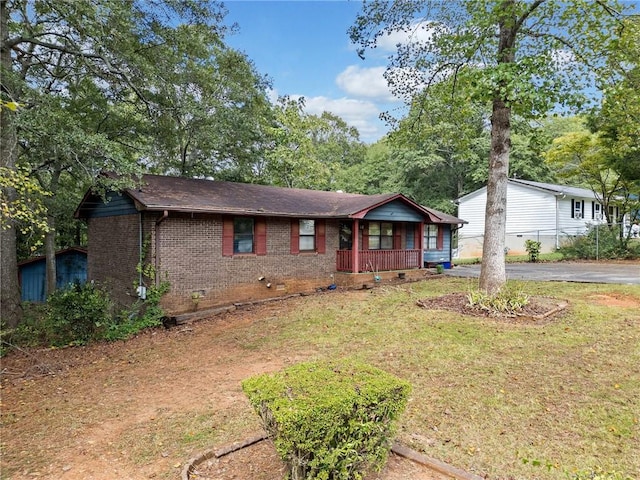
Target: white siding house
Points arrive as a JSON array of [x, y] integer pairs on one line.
[[543, 212]]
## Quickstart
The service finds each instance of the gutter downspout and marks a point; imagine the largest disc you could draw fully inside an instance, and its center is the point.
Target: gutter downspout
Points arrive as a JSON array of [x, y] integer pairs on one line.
[[164, 216], [140, 259]]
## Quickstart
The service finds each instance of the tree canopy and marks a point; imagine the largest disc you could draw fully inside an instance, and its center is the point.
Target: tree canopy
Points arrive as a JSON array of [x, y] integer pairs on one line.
[[524, 58]]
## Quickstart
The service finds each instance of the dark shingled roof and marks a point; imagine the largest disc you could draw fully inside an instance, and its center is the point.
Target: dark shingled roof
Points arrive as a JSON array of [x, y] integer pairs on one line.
[[159, 193]]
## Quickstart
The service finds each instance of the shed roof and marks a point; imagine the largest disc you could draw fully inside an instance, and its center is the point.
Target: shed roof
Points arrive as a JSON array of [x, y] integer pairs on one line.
[[59, 253], [159, 193]]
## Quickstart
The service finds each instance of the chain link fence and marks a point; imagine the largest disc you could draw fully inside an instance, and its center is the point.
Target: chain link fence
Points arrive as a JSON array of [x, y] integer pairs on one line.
[[550, 239]]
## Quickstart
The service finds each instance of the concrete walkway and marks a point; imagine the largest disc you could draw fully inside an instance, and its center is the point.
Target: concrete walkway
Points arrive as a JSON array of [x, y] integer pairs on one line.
[[626, 273]]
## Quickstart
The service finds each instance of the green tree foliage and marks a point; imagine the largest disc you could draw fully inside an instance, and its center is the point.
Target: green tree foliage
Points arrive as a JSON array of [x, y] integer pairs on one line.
[[524, 58], [618, 118], [110, 84], [210, 115], [309, 151], [439, 146], [581, 158], [374, 173]]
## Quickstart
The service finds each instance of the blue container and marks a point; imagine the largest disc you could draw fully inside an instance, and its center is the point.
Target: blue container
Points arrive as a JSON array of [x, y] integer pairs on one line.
[[446, 265]]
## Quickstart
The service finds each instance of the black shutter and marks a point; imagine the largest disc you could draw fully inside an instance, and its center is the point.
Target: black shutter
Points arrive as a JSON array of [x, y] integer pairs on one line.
[[573, 207], [593, 210]]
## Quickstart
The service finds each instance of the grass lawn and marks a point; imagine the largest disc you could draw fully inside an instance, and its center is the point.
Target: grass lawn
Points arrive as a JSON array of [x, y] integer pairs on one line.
[[510, 401], [503, 400]]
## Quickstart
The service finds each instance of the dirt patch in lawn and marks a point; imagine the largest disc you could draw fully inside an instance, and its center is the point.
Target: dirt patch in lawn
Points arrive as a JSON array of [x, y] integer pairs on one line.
[[615, 300], [135, 409], [539, 310]]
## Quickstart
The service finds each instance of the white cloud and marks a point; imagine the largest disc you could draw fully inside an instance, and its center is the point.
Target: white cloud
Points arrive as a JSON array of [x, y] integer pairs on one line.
[[362, 114], [365, 83], [418, 32]]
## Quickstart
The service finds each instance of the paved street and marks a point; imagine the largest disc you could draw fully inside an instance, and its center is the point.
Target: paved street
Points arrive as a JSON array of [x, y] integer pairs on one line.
[[588, 272]]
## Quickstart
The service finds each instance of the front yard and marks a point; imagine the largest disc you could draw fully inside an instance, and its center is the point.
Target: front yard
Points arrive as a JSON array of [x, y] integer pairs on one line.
[[496, 398]]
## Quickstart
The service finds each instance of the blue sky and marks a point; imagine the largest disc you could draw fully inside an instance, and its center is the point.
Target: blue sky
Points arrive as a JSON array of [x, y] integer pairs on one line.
[[303, 47]]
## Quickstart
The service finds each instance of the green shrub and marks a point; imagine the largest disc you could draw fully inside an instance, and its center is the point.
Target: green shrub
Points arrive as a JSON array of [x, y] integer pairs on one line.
[[533, 249], [329, 420], [507, 300], [141, 315], [600, 242], [76, 315]]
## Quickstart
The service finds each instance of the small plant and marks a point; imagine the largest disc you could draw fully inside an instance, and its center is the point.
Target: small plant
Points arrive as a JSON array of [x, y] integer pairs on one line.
[[533, 249], [439, 269], [195, 298], [505, 301], [329, 420]]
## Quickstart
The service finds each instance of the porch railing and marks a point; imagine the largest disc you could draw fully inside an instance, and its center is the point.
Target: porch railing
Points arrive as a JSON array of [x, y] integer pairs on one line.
[[378, 260]]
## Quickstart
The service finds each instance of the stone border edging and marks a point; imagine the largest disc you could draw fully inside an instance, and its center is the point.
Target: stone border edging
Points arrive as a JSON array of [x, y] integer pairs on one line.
[[397, 448], [221, 452], [433, 463]]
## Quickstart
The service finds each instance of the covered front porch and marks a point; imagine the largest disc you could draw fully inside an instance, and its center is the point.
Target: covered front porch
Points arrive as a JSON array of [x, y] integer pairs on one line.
[[377, 260], [376, 244]]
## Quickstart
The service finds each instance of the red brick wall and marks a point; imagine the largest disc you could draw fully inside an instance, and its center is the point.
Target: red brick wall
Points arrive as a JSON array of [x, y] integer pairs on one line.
[[113, 254], [190, 258]]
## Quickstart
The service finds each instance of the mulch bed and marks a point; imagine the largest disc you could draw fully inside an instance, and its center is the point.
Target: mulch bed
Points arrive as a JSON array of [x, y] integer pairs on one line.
[[539, 310]]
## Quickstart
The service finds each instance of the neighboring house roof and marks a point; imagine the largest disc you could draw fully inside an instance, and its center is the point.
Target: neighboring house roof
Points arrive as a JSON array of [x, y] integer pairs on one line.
[[159, 193], [550, 188], [556, 189]]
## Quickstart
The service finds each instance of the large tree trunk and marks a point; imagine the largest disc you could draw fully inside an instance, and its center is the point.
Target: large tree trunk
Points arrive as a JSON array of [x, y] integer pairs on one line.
[[50, 254], [10, 306], [492, 273], [50, 235]]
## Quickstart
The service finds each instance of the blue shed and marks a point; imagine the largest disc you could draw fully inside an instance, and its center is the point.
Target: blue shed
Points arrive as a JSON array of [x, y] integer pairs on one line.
[[71, 267]]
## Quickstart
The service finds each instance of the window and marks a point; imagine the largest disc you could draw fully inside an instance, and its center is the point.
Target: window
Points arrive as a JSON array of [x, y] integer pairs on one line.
[[380, 236], [243, 235], [430, 237], [307, 238], [577, 209]]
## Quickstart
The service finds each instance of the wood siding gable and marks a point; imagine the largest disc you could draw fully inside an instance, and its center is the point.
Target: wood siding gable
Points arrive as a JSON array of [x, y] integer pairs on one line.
[[395, 211]]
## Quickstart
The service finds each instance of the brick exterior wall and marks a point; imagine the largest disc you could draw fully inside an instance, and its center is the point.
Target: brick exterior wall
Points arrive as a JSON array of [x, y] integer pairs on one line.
[[190, 257], [113, 254]]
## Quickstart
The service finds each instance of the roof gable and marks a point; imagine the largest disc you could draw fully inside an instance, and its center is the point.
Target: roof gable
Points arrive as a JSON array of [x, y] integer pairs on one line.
[[179, 194]]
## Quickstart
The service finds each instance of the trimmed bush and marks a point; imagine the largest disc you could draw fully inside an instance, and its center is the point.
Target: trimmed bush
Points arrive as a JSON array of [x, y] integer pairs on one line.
[[329, 420]]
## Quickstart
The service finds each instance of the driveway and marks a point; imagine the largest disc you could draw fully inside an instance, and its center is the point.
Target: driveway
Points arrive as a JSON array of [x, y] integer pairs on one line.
[[627, 273]]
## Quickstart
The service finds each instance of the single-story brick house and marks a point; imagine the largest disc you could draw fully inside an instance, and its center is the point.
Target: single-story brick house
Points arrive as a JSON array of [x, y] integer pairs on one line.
[[224, 242]]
